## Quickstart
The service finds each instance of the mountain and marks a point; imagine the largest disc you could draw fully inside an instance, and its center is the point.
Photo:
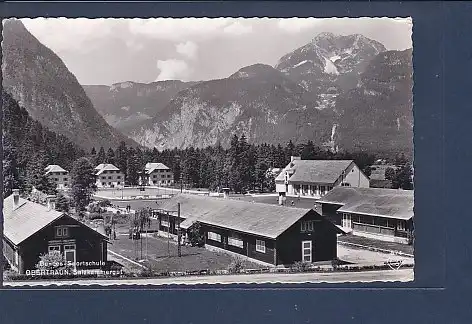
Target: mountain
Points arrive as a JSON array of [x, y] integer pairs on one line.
[[330, 64], [378, 114], [257, 100], [38, 79], [125, 104]]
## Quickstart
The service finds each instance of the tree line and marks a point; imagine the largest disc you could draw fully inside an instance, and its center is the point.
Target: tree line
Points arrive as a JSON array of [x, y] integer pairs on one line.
[[29, 148]]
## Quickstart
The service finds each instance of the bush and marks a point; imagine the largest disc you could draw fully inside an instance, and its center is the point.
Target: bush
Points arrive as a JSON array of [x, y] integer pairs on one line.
[[236, 265], [300, 266], [196, 236]]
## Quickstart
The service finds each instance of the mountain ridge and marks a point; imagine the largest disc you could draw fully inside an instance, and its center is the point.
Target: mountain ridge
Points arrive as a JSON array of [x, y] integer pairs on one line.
[[40, 81]]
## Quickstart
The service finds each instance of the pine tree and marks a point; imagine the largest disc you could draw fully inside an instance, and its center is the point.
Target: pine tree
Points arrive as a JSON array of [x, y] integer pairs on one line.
[[82, 183], [110, 158], [101, 156], [133, 168], [62, 203], [121, 157]]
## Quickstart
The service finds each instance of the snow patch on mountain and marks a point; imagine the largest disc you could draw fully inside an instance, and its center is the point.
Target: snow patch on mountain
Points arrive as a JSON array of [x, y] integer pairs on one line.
[[330, 68]]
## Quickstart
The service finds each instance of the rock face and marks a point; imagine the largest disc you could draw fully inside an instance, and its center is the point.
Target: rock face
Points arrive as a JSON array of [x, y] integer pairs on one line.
[[38, 79], [257, 100], [343, 92], [377, 115], [125, 104], [329, 64]]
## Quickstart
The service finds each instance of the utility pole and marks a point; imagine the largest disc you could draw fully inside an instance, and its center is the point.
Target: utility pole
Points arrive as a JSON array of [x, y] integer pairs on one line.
[[179, 247]]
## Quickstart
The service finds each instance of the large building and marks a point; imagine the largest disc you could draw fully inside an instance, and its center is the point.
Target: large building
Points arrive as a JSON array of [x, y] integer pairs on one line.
[[271, 234], [109, 176], [315, 178], [383, 214], [58, 175], [32, 229], [158, 174]]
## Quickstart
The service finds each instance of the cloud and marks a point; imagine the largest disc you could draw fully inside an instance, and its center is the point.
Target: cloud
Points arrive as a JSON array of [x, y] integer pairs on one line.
[[173, 70], [68, 34], [178, 29], [188, 49], [237, 28], [296, 25]]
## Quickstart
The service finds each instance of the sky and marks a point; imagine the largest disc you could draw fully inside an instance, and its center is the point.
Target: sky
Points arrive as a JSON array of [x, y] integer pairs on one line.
[[107, 51]]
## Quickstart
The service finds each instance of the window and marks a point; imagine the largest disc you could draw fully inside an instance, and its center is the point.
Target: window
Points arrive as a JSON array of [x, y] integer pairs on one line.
[[119, 182], [164, 223], [346, 222], [154, 176], [103, 183], [56, 179], [65, 179], [109, 177], [307, 226], [235, 242], [214, 236], [345, 184], [104, 178], [260, 246], [62, 231], [118, 177], [52, 248], [401, 225]]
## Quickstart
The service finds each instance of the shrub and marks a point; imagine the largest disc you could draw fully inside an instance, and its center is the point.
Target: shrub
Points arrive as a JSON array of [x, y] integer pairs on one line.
[[300, 266], [196, 236], [236, 265]]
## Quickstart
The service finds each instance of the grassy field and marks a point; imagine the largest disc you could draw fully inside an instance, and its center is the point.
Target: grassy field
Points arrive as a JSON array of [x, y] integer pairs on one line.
[[162, 255]]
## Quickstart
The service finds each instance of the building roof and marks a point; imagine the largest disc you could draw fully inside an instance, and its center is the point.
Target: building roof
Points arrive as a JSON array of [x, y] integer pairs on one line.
[[315, 171], [105, 167], [27, 219], [151, 167], [254, 218], [390, 203], [53, 168]]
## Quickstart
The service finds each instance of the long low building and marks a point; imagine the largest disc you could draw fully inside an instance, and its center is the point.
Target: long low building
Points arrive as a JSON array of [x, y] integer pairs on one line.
[[269, 233], [384, 214]]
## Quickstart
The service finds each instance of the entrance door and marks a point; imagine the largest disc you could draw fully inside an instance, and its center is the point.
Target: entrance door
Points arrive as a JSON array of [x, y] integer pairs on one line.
[[69, 253], [307, 251]]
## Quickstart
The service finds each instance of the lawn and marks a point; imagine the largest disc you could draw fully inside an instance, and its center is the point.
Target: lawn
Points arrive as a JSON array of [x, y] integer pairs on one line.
[[162, 255]]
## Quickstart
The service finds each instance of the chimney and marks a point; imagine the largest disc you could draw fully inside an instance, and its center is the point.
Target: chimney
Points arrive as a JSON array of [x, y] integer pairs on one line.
[[16, 198], [51, 202], [293, 158]]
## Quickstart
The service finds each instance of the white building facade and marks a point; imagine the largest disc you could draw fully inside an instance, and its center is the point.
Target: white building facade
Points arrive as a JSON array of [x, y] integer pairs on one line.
[[58, 175], [315, 178], [158, 174], [109, 176]]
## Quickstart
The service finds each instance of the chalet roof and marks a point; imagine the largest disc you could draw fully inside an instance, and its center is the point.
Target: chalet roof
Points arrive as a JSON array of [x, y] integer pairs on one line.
[[27, 219], [105, 167], [151, 167], [390, 203], [254, 218], [315, 171], [54, 168]]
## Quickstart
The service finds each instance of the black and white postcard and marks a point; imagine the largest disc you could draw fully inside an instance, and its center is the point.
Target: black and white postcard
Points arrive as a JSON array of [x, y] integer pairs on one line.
[[207, 150]]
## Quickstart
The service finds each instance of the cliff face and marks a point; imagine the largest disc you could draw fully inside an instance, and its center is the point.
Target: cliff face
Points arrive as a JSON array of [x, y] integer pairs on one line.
[[38, 79], [377, 114]]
